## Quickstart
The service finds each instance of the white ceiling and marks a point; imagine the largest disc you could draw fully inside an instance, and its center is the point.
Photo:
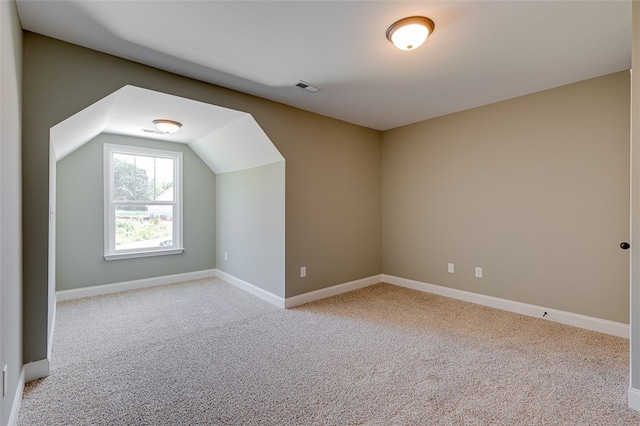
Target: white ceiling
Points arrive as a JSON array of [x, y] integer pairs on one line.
[[480, 52], [225, 139]]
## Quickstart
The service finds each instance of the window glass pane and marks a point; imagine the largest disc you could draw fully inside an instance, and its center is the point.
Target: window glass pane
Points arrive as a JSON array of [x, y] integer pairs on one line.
[[140, 226], [142, 178], [130, 180], [163, 179]]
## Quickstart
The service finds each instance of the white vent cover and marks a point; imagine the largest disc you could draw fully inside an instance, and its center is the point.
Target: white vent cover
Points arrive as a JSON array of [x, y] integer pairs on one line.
[[308, 87], [154, 131]]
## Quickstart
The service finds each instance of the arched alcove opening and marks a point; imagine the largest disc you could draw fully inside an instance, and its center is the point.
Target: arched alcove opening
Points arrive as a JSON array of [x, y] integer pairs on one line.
[[248, 214]]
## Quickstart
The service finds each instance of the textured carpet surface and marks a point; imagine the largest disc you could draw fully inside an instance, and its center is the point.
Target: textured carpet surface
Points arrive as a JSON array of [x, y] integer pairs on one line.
[[206, 353]]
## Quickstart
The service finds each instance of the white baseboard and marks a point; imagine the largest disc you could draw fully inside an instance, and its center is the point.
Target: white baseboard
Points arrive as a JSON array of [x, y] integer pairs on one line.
[[250, 288], [568, 318], [323, 293], [53, 326], [99, 290], [17, 399], [577, 320], [634, 398], [37, 370], [301, 299]]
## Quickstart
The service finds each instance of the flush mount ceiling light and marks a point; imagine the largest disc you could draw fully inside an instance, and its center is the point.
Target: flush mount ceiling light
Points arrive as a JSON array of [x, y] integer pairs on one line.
[[410, 33], [167, 126]]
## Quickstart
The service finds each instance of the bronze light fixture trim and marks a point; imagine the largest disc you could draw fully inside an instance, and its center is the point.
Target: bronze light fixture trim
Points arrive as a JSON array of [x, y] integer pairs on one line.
[[409, 33], [167, 126]]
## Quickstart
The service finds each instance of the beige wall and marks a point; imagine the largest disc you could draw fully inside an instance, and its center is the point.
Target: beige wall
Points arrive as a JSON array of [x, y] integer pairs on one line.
[[535, 190], [10, 204], [332, 201], [332, 176]]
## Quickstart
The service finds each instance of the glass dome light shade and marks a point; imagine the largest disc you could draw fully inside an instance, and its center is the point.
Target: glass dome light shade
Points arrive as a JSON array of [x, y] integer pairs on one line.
[[410, 33]]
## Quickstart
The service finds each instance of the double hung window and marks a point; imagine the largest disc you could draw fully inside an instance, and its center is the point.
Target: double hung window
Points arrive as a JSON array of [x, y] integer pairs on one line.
[[143, 202]]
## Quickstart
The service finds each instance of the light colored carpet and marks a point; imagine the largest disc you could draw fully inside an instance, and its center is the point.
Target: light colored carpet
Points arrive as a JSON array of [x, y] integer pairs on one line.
[[206, 353]]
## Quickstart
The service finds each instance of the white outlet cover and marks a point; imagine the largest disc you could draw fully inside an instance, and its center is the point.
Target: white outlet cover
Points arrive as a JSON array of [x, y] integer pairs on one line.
[[478, 272], [450, 268]]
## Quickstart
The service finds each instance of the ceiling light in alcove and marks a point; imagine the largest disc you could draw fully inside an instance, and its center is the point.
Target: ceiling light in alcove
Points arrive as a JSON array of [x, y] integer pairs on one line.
[[409, 33], [167, 126]]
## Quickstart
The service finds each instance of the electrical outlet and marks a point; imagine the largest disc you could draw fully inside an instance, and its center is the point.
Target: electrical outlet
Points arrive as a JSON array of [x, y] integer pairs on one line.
[[303, 272], [226, 257], [450, 268], [478, 272]]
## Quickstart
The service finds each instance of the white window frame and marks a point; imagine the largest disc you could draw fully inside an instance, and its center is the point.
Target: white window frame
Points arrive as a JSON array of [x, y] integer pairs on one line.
[[110, 252]]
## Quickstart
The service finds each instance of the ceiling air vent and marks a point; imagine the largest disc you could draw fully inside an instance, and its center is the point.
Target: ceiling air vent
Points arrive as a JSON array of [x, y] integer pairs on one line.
[[308, 87], [155, 132]]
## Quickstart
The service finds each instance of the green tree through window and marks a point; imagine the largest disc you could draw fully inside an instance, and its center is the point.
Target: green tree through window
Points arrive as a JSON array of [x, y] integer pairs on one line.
[[130, 183]]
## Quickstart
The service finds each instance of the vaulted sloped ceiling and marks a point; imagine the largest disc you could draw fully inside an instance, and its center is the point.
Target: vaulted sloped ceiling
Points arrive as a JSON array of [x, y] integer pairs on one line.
[[225, 139]]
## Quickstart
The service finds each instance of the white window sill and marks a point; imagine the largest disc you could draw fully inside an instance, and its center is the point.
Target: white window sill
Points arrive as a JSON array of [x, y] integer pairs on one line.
[[133, 255]]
